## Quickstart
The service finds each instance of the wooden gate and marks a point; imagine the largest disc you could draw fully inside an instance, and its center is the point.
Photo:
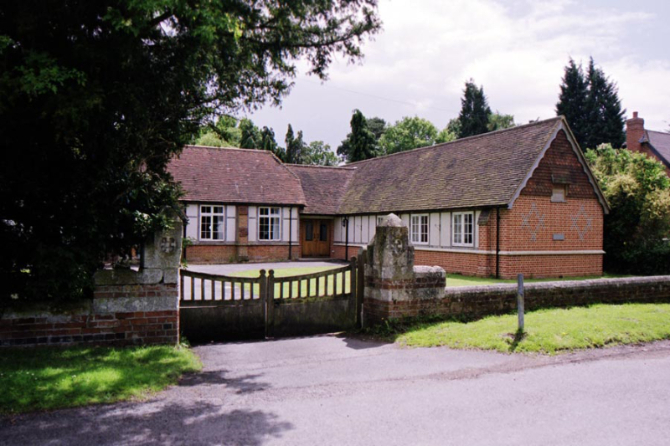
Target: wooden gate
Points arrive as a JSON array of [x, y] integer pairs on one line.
[[218, 308]]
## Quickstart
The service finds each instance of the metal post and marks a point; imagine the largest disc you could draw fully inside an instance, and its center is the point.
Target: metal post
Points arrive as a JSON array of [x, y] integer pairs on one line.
[[519, 301]]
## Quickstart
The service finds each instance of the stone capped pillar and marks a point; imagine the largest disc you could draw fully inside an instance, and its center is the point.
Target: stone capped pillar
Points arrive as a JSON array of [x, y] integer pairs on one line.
[[393, 285]]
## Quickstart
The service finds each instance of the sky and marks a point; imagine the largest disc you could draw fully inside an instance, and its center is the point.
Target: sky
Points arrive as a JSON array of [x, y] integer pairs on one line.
[[516, 49]]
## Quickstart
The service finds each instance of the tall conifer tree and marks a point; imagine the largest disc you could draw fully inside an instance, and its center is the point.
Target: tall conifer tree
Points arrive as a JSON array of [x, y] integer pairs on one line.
[[475, 111], [360, 144], [591, 105]]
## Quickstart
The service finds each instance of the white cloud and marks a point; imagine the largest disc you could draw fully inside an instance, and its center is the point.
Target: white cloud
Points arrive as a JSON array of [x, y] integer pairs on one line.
[[516, 49]]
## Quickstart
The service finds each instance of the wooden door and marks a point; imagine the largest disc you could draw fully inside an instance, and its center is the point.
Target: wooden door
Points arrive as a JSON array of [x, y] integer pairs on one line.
[[315, 238]]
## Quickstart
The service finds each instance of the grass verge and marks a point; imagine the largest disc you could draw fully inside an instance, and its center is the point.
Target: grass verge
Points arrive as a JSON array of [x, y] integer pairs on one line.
[[331, 287], [54, 378], [547, 331]]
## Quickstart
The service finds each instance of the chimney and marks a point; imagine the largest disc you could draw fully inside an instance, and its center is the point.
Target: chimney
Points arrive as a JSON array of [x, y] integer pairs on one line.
[[634, 133]]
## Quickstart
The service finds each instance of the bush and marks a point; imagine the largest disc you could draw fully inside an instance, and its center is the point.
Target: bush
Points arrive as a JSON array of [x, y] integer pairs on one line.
[[637, 228]]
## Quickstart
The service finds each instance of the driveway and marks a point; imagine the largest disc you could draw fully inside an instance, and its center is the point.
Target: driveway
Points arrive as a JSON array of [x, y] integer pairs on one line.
[[329, 390]]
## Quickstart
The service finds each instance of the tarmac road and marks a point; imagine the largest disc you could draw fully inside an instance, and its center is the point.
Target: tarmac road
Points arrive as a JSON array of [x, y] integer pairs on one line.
[[330, 390]]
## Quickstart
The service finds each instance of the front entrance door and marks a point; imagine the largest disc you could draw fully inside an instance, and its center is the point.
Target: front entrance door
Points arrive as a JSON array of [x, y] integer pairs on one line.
[[315, 238]]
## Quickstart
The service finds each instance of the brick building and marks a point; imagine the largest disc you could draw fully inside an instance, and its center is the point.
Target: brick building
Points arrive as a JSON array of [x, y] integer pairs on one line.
[[519, 200], [653, 143]]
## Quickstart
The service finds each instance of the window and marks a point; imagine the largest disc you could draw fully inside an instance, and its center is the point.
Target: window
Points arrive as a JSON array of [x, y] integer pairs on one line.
[[323, 232], [558, 194], [463, 229], [380, 221], [419, 229], [309, 231], [269, 224], [212, 220]]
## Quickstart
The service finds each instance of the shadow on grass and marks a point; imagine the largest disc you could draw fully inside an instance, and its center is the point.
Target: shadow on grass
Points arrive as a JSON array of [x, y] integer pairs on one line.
[[196, 422], [515, 339]]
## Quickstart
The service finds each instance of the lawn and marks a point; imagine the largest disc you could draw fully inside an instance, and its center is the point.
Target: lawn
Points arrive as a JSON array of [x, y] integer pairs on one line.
[[288, 272], [546, 331], [52, 378]]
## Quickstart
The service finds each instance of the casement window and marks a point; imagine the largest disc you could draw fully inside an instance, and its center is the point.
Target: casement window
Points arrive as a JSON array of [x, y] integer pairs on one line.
[[419, 229], [463, 229], [558, 194], [212, 221], [269, 224]]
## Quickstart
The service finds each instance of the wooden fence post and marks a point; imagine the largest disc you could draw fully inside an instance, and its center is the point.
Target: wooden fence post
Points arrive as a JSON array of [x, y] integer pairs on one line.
[[520, 302], [360, 288], [352, 305], [270, 304]]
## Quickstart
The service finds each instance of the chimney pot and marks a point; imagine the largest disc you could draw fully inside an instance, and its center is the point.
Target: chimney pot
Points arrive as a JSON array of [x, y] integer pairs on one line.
[[634, 114]]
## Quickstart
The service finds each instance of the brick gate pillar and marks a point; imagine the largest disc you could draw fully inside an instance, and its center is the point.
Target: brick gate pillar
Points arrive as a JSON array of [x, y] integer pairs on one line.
[[141, 307], [394, 287]]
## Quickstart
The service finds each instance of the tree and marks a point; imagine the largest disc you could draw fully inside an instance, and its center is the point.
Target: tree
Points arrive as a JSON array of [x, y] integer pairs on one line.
[[295, 147], [638, 192], [475, 111], [318, 153], [407, 134], [377, 126], [268, 142], [360, 144], [250, 135], [446, 135], [572, 100], [498, 121], [591, 105], [605, 122], [100, 95]]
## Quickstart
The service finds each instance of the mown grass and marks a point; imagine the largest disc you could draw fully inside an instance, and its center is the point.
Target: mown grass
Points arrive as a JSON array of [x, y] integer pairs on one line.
[[454, 280], [546, 331], [53, 378], [332, 286]]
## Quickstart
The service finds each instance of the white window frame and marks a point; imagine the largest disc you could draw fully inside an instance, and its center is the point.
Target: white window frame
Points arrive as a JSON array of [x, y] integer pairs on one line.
[[211, 214], [458, 228], [271, 214], [417, 226]]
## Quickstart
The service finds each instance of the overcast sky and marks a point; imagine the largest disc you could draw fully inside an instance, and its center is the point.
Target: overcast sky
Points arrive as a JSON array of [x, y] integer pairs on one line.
[[515, 49]]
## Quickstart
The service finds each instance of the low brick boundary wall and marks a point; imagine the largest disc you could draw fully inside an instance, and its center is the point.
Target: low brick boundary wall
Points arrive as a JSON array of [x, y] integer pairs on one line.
[[479, 301], [129, 307]]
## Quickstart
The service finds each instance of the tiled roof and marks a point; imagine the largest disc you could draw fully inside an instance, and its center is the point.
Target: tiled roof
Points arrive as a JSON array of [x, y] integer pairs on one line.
[[213, 174], [324, 187], [483, 170], [660, 141]]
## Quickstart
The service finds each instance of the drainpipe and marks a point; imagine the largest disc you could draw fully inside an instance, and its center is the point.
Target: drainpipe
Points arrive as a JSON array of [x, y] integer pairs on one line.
[[290, 231], [497, 243]]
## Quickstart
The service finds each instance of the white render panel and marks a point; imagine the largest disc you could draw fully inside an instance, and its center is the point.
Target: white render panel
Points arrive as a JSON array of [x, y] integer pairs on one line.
[[373, 226], [253, 224], [351, 230], [231, 223], [337, 229], [285, 223], [192, 212], [434, 229], [285, 212], [405, 219], [445, 230], [476, 228], [357, 229], [295, 225], [365, 237]]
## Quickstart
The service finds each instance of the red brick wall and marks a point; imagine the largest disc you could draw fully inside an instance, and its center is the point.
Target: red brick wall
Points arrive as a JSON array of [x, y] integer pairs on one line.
[[210, 254], [476, 302], [128, 328]]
